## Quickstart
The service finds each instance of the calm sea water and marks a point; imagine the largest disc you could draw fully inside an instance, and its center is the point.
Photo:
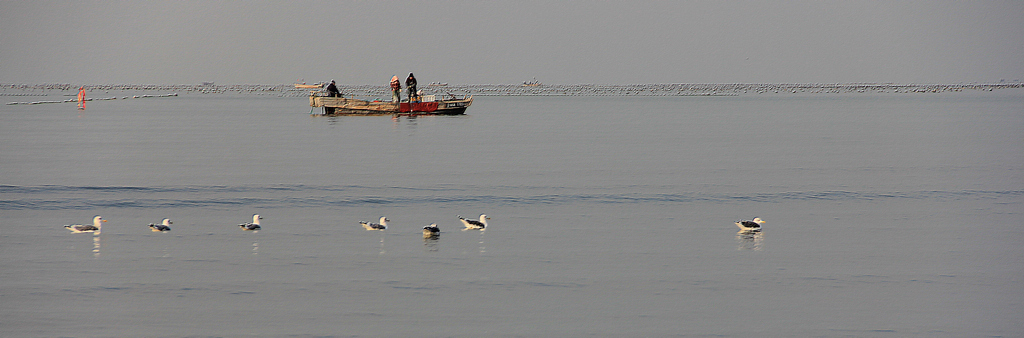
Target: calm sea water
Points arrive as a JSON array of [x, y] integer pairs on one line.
[[888, 215]]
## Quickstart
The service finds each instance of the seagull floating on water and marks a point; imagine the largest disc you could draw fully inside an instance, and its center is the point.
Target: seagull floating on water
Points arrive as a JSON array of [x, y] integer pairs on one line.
[[376, 226], [166, 226], [751, 225], [94, 228], [255, 225], [431, 230], [475, 224]]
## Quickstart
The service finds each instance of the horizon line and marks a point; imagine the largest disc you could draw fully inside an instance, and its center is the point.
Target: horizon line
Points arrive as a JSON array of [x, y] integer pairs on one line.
[[1002, 83]]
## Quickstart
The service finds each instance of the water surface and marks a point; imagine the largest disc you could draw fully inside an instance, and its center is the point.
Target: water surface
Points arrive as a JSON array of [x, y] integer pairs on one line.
[[889, 215]]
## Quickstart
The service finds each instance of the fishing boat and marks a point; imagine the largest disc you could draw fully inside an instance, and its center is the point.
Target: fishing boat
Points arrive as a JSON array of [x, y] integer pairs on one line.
[[308, 86], [426, 105]]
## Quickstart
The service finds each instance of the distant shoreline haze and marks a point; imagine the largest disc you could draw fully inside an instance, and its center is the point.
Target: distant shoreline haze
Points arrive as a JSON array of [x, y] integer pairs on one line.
[[666, 89]]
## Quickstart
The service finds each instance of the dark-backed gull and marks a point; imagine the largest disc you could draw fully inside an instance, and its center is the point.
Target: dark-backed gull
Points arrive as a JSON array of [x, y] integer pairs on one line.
[[475, 224], [376, 226], [255, 225], [751, 225], [94, 228], [166, 226], [431, 230]]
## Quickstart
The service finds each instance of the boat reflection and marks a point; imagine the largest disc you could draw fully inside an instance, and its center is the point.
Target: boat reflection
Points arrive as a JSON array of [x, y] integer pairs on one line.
[[332, 120], [749, 240]]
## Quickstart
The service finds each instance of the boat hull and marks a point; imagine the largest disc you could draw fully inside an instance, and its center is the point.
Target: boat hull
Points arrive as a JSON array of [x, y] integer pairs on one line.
[[346, 106]]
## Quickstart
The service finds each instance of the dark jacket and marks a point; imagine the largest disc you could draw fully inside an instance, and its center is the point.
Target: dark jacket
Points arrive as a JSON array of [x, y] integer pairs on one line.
[[332, 90]]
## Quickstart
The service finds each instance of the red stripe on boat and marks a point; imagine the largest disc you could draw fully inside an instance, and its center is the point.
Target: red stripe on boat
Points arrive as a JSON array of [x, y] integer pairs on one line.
[[417, 107]]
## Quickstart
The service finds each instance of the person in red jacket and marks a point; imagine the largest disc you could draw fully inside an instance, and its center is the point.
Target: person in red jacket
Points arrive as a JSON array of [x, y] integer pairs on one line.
[[396, 89]]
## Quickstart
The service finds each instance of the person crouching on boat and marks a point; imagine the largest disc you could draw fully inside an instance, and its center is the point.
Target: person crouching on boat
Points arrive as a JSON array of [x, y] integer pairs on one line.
[[410, 83], [332, 90], [396, 89]]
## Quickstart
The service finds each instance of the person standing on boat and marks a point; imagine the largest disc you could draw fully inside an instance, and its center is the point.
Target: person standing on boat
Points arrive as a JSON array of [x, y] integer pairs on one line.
[[396, 89], [332, 90], [410, 84], [81, 98]]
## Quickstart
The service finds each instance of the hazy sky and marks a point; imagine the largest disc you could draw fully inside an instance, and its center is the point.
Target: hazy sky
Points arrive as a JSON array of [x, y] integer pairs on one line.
[[478, 42]]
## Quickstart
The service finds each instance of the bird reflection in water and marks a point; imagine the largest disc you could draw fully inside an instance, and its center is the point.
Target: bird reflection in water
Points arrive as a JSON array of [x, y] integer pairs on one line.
[[749, 240], [382, 251], [483, 248], [96, 245], [431, 243]]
